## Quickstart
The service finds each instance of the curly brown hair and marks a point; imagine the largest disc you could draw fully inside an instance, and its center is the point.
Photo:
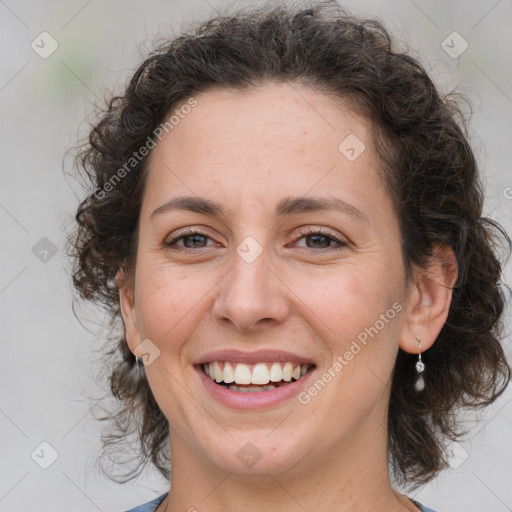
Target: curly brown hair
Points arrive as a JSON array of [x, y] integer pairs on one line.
[[429, 167]]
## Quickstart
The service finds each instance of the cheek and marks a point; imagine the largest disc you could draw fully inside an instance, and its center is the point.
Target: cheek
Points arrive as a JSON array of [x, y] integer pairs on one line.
[[352, 310], [169, 302], [357, 313], [346, 300]]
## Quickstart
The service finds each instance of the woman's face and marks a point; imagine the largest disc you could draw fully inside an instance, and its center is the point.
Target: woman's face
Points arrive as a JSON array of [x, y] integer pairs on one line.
[[298, 260]]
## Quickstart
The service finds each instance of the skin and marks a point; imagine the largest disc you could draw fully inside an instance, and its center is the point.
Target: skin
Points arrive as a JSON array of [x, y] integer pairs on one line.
[[248, 150]]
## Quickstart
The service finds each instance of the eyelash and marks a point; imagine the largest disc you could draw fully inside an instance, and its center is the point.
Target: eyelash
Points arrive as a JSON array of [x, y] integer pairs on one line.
[[304, 233]]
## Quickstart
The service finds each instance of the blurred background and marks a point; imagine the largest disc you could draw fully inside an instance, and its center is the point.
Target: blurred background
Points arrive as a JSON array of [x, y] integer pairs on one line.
[[59, 60]]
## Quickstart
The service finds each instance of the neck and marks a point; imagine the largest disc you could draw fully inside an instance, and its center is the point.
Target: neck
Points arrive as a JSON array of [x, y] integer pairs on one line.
[[354, 477]]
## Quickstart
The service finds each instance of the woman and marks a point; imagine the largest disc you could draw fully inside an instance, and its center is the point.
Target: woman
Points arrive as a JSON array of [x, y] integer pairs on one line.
[[286, 217]]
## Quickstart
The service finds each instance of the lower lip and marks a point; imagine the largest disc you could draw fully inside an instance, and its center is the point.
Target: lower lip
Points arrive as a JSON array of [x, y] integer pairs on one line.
[[254, 400]]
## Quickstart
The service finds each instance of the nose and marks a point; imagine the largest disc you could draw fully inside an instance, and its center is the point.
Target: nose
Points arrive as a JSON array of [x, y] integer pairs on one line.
[[251, 296]]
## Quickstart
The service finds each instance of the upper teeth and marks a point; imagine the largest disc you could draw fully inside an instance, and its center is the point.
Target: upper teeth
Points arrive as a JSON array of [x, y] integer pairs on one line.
[[261, 373]]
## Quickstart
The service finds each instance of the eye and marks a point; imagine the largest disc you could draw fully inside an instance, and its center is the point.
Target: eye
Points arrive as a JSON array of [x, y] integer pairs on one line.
[[321, 239], [192, 239], [197, 239]]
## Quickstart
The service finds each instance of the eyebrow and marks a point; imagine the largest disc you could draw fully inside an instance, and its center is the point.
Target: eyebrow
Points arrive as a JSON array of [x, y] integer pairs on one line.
[[287, 206]]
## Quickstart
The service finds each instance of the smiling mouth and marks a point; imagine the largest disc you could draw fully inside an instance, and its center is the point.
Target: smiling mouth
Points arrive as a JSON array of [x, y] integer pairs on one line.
[[250, 378]]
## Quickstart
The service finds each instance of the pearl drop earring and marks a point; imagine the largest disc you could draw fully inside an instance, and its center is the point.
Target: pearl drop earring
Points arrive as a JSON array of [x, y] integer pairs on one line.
[[420, 368]]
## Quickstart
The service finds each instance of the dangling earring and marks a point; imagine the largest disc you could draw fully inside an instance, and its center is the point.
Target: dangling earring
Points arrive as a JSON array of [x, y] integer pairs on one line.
[[139, 361], [420, 368]]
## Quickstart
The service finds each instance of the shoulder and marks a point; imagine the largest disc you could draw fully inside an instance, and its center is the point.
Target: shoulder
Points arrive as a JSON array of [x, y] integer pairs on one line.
[[150, 506], [422, 507]]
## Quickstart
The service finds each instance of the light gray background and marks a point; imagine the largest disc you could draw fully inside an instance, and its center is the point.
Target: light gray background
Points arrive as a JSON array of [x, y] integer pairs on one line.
[[48, 366]]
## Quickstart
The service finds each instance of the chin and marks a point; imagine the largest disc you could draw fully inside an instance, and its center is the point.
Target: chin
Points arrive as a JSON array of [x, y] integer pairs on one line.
[[255, 454]]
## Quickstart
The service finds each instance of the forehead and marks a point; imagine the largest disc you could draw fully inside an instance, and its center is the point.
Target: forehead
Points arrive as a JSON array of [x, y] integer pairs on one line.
[[275, 113], [261, 142]]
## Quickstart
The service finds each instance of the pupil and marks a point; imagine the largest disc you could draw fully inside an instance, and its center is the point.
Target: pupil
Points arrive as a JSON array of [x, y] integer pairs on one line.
[[319, 237], [195, 238]]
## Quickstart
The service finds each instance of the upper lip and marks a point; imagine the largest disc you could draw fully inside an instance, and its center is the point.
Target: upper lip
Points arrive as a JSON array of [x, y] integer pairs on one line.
[[258, 356]]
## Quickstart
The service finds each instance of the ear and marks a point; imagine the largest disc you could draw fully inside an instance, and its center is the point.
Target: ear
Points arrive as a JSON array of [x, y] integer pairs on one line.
[[429, 300], [127, 302]]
